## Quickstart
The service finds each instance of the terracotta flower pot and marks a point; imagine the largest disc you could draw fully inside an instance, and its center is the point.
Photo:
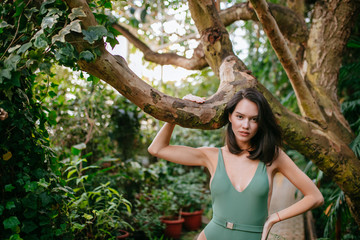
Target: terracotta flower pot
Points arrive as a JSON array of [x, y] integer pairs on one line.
[[173, 227], [124, 234], [192, 220]]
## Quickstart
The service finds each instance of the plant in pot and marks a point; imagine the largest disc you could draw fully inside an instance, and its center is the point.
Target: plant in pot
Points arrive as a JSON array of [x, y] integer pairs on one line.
[[167, 204], [96, 211], [146, 218], [190, 190], [110, 209]]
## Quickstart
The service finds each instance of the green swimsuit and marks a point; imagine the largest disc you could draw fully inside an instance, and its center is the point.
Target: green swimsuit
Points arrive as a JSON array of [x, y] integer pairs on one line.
[[238, 215]]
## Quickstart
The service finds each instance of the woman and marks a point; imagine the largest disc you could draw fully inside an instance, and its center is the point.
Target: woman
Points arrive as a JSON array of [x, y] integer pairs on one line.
[[242, 171]]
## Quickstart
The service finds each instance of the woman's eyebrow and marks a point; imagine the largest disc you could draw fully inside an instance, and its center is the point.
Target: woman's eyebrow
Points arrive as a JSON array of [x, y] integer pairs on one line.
[[245, 115]]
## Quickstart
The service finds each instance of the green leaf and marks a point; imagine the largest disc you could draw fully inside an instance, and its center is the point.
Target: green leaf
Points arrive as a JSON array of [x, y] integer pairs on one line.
[[29, 12], [81, 179], [94, 33], [9, 187], [75, 151], [12, 61], [4, 24], [30, 186], [49, 21], [93, 79], [5, 73], [15, 237], [1, 209], [12, 49], [73, 26], [28, 226], [76, 12], [52, 117], [80, 146], [54, 11], [87, 56], [70, 173], [40, 42], [87, 216], [10, 205], [45, 67], [43, 183], [43, 9], [11, 222], [52, 94], [24, 48]]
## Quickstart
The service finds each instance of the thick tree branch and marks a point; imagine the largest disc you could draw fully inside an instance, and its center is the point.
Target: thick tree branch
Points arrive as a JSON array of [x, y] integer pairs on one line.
[[329, 33], [306, 101], [196, 62], [214, 37], [291, 25]]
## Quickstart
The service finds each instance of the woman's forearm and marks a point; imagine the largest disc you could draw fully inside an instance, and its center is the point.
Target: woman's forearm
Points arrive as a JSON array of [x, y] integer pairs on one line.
[[307, 203]]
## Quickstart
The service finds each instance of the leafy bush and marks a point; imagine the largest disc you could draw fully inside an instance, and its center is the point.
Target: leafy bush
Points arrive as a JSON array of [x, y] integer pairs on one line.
[[96, 211]]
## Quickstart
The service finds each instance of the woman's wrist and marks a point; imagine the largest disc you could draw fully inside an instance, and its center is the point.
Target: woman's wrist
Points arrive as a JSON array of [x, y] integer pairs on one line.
[[277, 214], [273, 218]]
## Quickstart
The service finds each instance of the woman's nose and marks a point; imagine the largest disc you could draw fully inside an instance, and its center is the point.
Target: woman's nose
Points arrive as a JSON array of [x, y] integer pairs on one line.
[[245, 123]]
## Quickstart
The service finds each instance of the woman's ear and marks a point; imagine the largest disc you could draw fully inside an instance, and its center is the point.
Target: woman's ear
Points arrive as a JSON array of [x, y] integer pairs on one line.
[[229, 117]]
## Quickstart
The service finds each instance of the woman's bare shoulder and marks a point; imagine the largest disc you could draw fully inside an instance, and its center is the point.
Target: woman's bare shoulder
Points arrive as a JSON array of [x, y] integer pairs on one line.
[[212, 156], [210, 152], [282, 161]]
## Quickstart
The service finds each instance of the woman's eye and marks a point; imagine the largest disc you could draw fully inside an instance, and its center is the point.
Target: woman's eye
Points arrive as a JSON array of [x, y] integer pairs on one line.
[[240, 117], [254, 119]]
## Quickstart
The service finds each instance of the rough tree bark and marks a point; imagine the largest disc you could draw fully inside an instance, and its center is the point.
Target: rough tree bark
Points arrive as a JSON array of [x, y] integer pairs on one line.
[[321, 133]]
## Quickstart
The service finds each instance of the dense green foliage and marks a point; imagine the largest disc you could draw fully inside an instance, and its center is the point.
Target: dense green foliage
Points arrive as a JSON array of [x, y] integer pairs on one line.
[[32, 196]]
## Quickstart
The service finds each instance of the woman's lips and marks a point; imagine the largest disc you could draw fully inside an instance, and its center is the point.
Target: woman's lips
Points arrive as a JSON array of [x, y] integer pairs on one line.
[[244, 134]]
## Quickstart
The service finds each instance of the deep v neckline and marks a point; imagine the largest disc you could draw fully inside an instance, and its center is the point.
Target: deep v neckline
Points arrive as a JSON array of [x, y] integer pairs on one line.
[[226, 173]]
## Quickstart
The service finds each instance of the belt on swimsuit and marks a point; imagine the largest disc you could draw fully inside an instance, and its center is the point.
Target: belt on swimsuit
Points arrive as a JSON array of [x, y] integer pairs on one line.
[[236, 226]]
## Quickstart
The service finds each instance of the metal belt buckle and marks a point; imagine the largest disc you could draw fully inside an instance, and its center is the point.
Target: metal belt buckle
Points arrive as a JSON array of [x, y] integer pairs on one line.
[[229, 225]]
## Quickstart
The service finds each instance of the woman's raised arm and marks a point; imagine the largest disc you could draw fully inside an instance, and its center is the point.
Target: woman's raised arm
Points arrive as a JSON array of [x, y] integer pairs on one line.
[[161, 148]]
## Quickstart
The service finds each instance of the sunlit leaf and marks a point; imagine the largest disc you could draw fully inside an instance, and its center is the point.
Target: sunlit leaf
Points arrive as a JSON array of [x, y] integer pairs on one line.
[[12, 61], [24, 48], [12, 49], [87, 216], [76, 12], [49, 21]]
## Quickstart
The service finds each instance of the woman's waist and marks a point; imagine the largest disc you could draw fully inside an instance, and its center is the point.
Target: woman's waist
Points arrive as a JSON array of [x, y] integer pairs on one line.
[[240, 225]]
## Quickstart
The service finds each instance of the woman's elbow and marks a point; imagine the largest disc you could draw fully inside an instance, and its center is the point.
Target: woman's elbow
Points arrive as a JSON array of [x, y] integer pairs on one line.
[[319, 200], [152, 151]]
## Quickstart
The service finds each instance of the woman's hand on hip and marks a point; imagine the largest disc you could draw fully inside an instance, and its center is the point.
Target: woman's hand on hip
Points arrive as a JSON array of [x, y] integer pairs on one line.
[[271, 220]]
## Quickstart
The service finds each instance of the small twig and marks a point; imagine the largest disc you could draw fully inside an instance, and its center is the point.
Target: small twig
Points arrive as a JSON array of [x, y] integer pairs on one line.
[[91, 122]]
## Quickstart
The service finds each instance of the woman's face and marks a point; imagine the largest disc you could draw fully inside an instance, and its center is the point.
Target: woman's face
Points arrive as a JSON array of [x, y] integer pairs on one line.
[[244, 122]]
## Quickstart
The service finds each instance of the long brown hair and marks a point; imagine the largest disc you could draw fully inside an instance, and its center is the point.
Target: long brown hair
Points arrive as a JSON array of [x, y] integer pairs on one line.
[[266, 142]]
